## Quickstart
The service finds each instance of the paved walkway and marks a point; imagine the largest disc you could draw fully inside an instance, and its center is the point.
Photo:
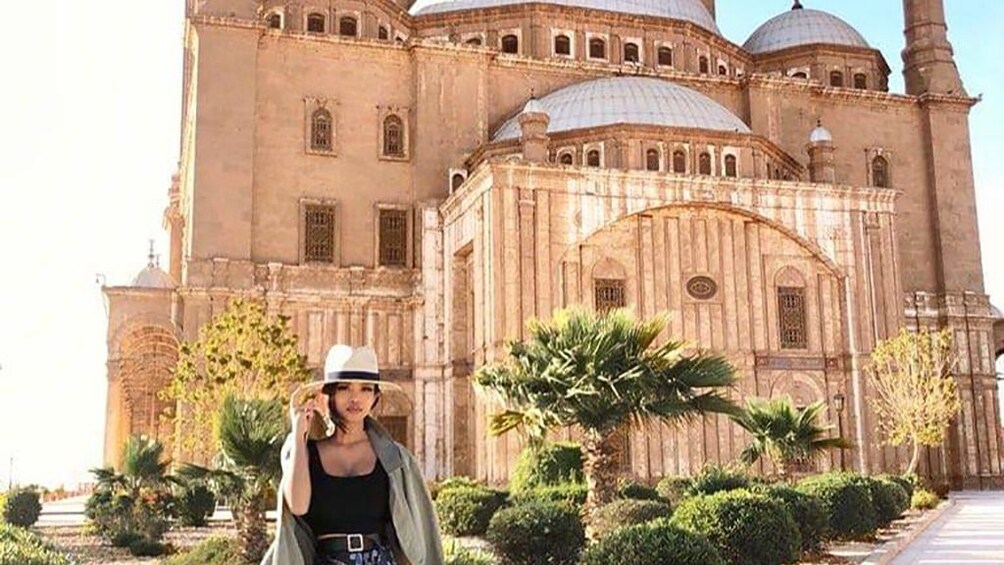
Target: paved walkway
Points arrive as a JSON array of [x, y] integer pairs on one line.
[[972, 531]]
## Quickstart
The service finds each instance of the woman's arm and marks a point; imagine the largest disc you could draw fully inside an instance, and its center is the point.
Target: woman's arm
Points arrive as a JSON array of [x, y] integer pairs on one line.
[[295, 463]]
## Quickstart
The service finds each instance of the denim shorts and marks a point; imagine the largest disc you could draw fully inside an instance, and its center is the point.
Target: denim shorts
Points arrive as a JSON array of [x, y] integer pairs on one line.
[[379, 555]]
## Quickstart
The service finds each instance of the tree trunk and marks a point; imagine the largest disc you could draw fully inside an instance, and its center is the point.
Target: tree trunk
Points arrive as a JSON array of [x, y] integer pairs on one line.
[[914, 459], [600, 467], [249, 518]]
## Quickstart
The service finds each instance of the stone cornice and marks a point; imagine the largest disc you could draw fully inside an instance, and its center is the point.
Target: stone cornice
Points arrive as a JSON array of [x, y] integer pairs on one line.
[[137, 291], [822, 49]]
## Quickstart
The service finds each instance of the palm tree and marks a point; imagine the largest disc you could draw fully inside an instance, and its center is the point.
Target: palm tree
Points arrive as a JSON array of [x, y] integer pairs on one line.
[[600, 372], [251, 433], [785, 434], [143, 467]]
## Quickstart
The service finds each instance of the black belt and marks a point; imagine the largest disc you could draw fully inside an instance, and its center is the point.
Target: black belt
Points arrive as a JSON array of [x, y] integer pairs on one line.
[[349, 543]]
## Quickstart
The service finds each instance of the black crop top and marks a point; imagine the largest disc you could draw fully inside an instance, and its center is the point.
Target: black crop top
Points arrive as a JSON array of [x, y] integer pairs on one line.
[[347, 505]]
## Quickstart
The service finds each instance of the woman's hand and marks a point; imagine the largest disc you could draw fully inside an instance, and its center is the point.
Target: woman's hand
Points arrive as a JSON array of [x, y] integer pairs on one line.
[[303, 417]]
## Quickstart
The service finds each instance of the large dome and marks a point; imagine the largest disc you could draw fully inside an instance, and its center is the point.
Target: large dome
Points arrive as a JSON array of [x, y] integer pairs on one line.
[[800, 26], [688, 10], [629, 100]]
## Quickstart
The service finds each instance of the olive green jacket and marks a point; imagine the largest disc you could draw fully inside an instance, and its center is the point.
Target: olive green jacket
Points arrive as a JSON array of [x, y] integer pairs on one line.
[[415, 528]]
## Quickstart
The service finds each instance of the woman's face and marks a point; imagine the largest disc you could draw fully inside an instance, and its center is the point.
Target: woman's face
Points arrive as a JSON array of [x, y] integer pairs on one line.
[[353, 401]]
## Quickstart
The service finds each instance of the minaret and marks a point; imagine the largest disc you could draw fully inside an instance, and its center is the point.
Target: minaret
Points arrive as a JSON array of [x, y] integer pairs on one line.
[[928, 59], [822, 165], [533, 122]]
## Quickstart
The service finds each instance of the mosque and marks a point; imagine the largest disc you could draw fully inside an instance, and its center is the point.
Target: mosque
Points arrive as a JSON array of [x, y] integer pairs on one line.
[[424, 179]]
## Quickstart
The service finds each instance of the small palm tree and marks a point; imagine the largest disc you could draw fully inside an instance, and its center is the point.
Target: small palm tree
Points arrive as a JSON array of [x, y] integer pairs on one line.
[[251, 433], [600, 372], [785, 434], [143, 467]]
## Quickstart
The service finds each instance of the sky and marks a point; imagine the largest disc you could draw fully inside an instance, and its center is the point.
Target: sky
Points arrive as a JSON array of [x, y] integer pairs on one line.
[[90, 116]]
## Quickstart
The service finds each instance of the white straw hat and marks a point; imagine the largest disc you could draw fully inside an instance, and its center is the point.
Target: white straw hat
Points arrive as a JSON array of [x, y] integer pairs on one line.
[[345, 364]]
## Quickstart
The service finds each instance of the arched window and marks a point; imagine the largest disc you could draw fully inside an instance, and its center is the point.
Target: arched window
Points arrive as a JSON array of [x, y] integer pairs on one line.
[[562, 45], [679, 162], [791, 317], [383, 33], [456, 181], [593, 158], [347, 26], [801, 75], [652, 160], [880, 172], [565, 158], [597, 48], [704, 164], [631, 54], [723, 70], [665, 57], [703, 65], [731, 166], [836, 78], [315, 23], [393, 136], [474, 41], [320, 130], [510, 44], [861, 81], [274, 21]]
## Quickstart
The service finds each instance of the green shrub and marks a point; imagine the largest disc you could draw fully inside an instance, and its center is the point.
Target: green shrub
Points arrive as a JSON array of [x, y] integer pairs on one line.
[[889, 498], [19, 546], [620, 513], [548, 465], [714, 479], [195, 504], [22, 507], [924, 499], [456, 554], [745, 527], [847, 502], [637, 491], [213, 551], [466, 511], [143, 547], [123, 520], [673, 489], [536, 533], [654, 542], [805, 509], [573, 494], [903, 481], [454, 482]]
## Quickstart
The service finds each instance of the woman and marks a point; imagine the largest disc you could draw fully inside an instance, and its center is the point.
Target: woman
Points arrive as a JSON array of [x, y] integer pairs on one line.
[[350, 495]]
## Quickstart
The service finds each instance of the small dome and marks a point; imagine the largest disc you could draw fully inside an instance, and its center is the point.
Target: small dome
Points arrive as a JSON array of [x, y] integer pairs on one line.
[[800, 26], [629, 100], [820, 134], [153, 277], [692, 11]]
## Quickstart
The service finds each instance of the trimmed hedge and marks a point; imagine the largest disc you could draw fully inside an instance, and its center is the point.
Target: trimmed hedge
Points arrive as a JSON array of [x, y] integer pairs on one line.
[[573, 494], [22, 507], [453, 482], [537, 532], [924, 499], [905, 483], [620, 513], [548, 465], [466, 511], [213, 551], [808, 512], [456, 554], [714, 479], [673, 489], [746, 528], [637, 491], [889, 499], [655, 542], [19, 546], [847, 502]]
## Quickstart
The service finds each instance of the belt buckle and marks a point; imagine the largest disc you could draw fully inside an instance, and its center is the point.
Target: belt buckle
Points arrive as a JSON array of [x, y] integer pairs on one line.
[[354, 539]]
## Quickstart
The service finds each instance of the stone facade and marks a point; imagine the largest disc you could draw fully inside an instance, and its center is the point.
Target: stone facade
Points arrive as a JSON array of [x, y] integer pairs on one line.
[[353, 178]]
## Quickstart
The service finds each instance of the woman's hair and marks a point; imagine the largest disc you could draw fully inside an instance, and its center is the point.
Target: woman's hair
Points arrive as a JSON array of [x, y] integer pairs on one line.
[[336, 418]]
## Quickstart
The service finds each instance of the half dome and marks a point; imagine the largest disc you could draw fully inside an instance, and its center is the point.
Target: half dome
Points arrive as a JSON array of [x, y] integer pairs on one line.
[[687, 10], [800, 26], [629, 101]]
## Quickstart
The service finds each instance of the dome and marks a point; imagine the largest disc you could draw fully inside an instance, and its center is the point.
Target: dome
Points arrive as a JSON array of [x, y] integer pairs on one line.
[[687, 10], [820, 135], [153, 277], [629, 100], [800, 26]]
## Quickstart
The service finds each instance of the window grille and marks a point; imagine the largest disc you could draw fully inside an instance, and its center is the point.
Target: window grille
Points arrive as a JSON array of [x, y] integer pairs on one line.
[[609, 295], [652, 160], [393, 137], [731, 166], [861, 81], [510, 44], [275, 21], [393, 238], [791, 317], [880, 172], [679, 162], [665, 57], [315, 23], [347, 26], [562, 45], [597, 48], [837, 79], [631, 54], [704, 164], [319, 234], [593, 158], [320, 130]]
